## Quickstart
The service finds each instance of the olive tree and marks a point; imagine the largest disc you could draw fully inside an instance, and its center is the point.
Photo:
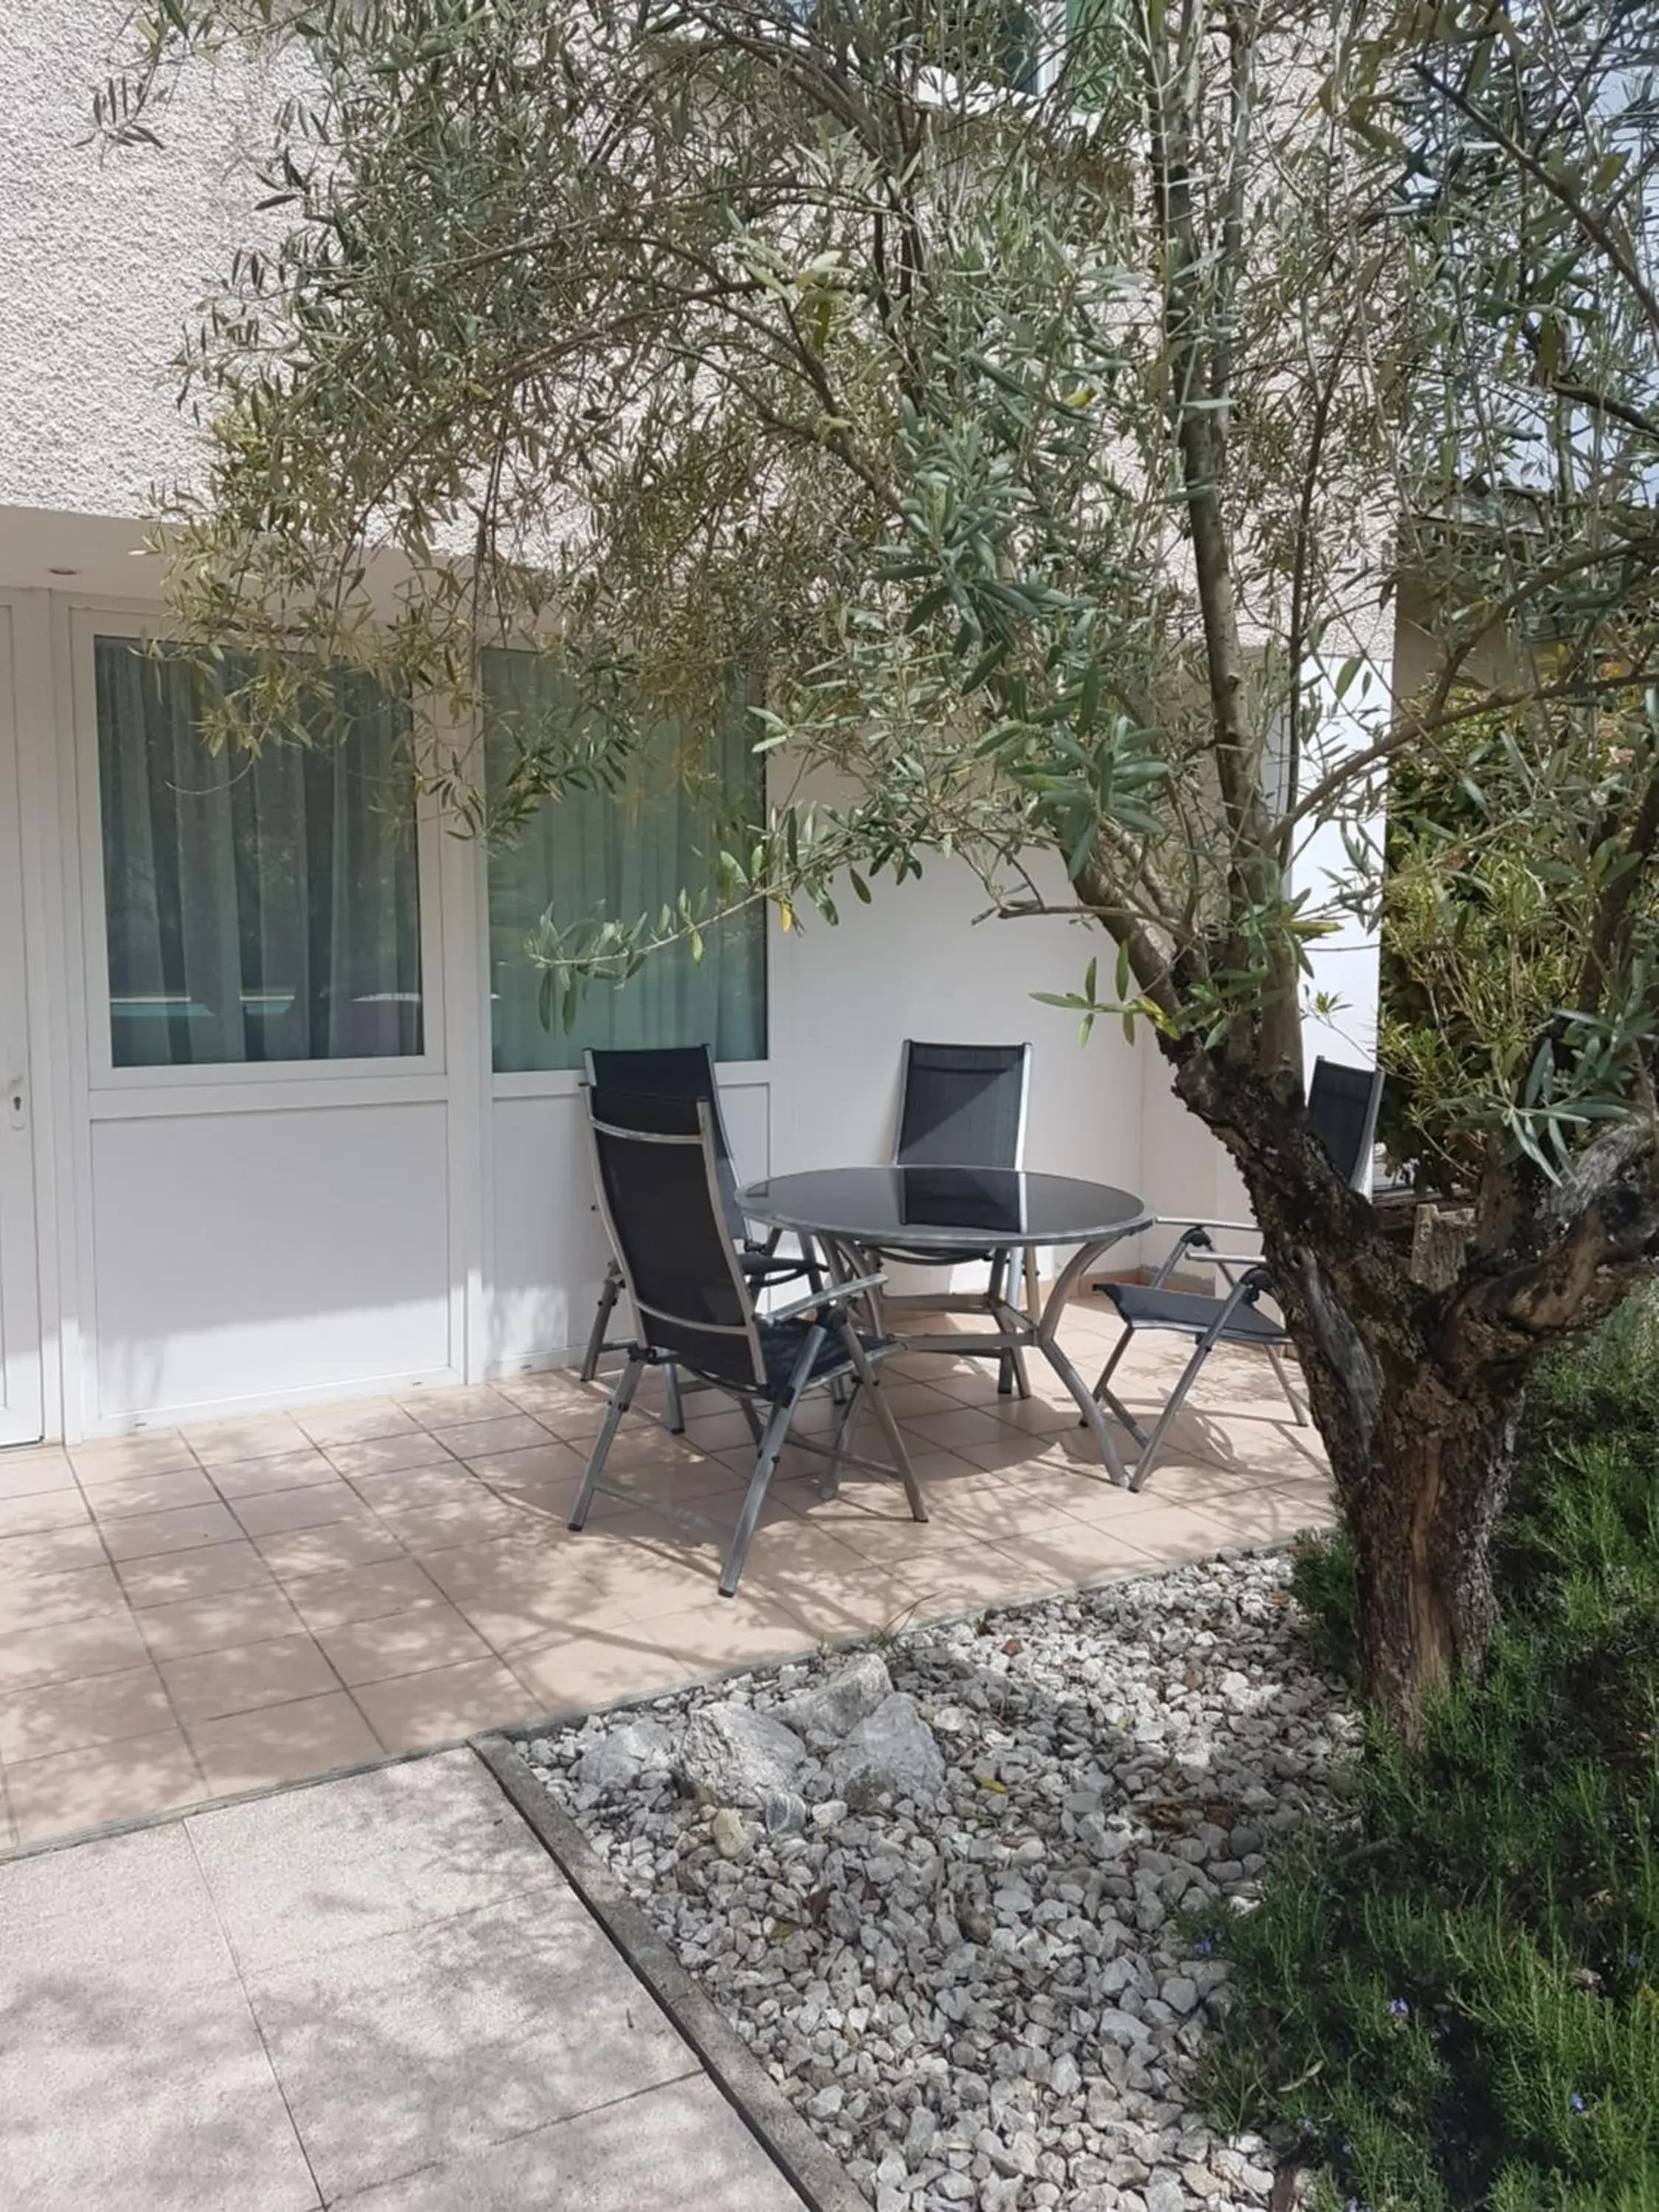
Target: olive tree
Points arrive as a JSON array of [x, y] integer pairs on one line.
[[1037, 420]]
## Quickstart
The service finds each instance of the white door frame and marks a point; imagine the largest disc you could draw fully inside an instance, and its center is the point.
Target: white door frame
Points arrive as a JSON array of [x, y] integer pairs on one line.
[[23, 1378]]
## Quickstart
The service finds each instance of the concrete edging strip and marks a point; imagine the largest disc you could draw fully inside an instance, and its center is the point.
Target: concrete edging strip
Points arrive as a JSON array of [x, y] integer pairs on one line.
[[814, 2171]]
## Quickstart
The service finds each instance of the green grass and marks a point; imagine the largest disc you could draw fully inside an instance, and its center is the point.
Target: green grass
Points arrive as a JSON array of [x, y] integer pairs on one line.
[[1450, 1995]]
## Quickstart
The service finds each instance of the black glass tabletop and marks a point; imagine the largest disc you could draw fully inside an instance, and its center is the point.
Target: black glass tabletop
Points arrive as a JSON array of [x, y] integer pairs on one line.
[[915, 1208]]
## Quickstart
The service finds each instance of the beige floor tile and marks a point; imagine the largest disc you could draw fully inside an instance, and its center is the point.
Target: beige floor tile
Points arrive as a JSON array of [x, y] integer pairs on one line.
[[1270, 1517], [106, 1459], [182, 1528], [401, 1644], [360, 1421], [67, 1650], [333, 1601], [1169, 1535], [575, 1422], [963, 1581], [448, 1409], [70, 1715], [508, 1431], [412, 1446], [52, 1552], [282, 1743], [740, 1631], [711, 1486], [26, 1472], [428, 1529], [413, 1489], [721, 1432], [569, 1674], [218, 1624], [39, 1601], [260, 1478], [515, 1594], [331, 1550], [7, 1825], [243, 1679], [260, 1436], [1071, 1552], [314, 1505], [73, 1789], [443, 1705], [180, 1575], [548, 1462], [129, 1494], [45, 1510]]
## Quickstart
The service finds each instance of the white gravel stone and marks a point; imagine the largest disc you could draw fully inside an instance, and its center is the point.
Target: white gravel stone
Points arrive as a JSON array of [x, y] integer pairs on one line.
[[965, 1968]]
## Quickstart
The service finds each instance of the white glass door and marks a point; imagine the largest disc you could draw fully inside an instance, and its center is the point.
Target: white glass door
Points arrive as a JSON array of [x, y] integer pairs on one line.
[[20, 1280]]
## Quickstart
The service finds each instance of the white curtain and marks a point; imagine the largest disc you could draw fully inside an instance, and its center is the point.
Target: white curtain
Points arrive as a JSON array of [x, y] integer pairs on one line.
[[597, 855], [259, 906]]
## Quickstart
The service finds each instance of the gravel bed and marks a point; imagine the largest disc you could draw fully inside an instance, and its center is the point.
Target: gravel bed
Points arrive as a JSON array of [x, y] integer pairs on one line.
[[953, 1888]]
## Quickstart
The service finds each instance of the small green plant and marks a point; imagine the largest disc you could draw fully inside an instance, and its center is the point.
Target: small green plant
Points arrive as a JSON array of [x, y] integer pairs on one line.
[[1322, 1584], [1449, 1995]]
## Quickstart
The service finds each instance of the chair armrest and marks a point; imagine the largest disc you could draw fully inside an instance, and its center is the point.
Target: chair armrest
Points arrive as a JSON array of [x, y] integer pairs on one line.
[[832, 1294], [1186, 1221]]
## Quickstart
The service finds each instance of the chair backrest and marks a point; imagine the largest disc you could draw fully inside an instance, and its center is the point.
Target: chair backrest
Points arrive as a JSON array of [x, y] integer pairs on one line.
[[964, 1105], [1342, 1108], [655, 1169], [673, 1070]]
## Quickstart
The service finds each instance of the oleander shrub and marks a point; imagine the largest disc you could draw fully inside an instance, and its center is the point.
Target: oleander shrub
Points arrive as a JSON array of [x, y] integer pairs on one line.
[[1448, 1995]]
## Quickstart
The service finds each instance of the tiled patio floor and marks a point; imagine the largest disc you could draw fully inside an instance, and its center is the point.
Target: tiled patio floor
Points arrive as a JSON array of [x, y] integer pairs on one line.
[[185, 1615]]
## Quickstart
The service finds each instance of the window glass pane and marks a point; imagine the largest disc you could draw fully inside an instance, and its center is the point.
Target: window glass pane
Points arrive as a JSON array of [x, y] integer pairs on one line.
[[602, 854], [259, 906]]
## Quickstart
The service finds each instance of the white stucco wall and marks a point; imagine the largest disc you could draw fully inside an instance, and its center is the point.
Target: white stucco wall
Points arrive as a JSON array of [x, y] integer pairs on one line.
[[102, 259]]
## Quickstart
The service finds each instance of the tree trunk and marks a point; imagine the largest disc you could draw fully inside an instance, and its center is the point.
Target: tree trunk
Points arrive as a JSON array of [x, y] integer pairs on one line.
[[1422, 1508], [1418, 1421]]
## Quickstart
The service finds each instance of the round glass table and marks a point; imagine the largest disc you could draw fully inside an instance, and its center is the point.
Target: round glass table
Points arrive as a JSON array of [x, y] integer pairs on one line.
[[940, 1216]]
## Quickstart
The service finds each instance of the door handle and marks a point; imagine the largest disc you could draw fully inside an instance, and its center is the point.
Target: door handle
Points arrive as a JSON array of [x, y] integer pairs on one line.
[[17, 1095]]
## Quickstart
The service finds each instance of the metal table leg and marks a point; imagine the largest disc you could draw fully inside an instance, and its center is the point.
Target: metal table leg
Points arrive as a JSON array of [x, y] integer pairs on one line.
[[1046, 1337]]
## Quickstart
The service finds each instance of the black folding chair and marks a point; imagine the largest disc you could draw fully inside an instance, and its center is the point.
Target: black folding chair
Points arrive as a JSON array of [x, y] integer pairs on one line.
[[1342, 1109], [656, 1168], [681, 1072], [964, 1106]]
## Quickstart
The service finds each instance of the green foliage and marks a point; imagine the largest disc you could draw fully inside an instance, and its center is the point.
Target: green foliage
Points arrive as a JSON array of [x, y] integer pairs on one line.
[[1450, 1995], [1499, 864], [1322, 1584]]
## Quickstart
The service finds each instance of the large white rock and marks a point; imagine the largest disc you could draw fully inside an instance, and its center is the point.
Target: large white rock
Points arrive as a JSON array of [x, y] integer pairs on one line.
[[891, 1751], [824, 1713], [625, 1754], [735, 1756]]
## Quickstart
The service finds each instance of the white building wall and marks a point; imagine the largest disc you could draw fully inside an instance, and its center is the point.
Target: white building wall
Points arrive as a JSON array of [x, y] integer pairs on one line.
[[102, 259], [198, 1252]]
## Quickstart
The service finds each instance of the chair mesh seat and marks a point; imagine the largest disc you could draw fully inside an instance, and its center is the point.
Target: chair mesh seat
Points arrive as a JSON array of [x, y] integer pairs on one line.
[[1191, 1312], [781, 1345]]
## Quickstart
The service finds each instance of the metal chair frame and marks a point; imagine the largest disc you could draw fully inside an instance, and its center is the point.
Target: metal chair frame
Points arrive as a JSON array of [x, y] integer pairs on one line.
[[1234, 1318], [993, 1299], [833, 1310], [762, 1261]]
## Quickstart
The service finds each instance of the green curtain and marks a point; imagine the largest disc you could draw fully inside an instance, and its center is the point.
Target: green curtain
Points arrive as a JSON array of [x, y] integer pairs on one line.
[[597, 854], [258, 906]]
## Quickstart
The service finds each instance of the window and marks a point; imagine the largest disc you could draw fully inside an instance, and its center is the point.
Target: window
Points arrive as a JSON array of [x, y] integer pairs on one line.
[[599, 855], [257, 906]]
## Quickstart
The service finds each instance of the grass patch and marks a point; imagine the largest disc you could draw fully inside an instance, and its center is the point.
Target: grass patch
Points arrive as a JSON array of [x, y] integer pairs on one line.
[[1450, 1996]]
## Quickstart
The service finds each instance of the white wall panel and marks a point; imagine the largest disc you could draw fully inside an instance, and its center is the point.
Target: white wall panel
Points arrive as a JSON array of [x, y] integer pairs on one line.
[[548, 1248], [913, 964], [266, 1255]]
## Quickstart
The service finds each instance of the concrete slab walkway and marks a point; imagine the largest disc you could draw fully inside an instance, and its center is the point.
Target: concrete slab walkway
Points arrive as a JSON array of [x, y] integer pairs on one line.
[[377, 1992]]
